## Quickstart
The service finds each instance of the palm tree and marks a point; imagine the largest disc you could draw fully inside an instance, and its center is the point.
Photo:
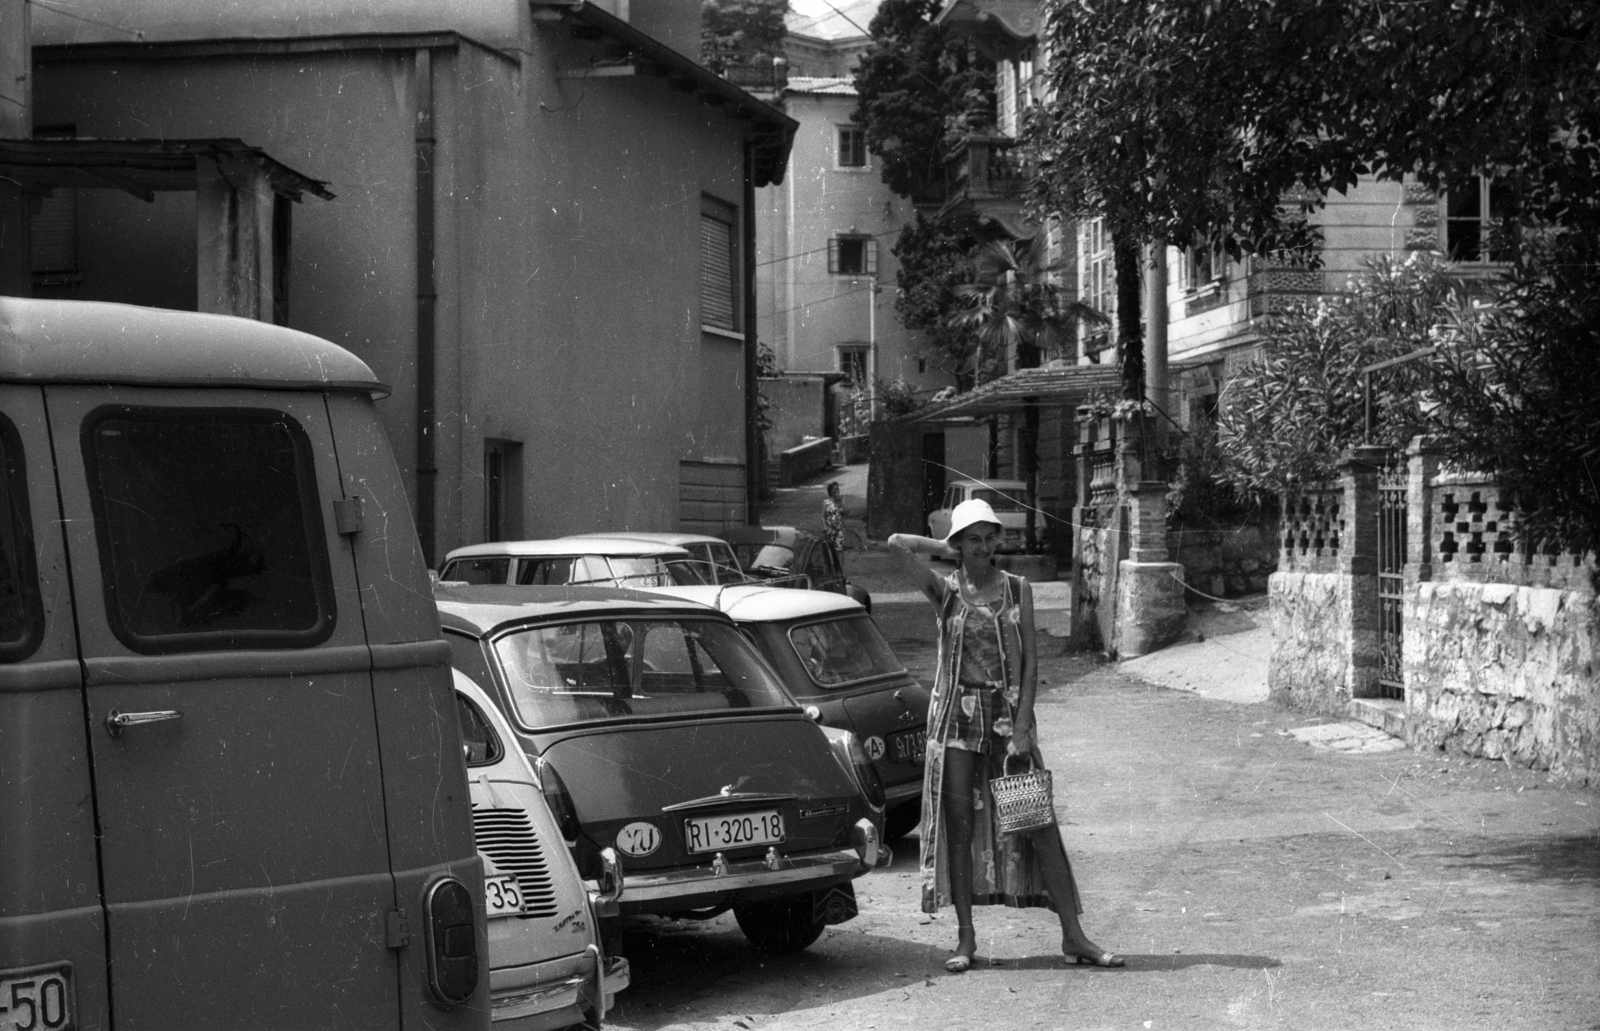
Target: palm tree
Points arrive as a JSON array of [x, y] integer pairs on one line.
[[1017, 307]]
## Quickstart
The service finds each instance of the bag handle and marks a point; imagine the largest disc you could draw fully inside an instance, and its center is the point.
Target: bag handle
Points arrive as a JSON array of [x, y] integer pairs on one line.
[[1005, 764]]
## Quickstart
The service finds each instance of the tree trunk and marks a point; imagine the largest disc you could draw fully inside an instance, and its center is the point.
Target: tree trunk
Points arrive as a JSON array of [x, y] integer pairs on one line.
[[1125, 255]]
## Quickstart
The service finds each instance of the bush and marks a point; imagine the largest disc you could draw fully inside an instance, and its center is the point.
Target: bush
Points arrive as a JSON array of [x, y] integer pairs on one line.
[[1518, 390], [1290, 414]]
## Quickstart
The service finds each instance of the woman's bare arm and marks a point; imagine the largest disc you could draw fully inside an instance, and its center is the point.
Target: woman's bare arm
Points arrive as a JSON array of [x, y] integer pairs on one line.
[[905, 547], [1022, 725]]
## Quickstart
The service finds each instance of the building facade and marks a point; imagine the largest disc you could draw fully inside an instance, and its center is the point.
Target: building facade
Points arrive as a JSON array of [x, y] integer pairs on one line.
[[541, 237]]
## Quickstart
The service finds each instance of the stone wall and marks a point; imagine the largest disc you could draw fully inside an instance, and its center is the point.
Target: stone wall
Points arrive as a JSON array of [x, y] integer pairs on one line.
[[1310, 661], [1505, 672], [1226, 563]]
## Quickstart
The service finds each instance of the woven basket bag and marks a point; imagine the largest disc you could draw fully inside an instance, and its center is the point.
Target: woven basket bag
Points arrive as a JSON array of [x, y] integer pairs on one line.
[[1022, 801]]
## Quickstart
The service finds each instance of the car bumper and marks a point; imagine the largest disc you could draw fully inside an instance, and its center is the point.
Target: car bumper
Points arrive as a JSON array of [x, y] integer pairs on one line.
[[543, 995], [903, 791], [751, 879]]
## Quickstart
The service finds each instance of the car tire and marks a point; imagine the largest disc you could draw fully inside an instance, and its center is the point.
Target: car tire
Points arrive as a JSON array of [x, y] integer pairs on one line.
[[902, 819], [782, 925]]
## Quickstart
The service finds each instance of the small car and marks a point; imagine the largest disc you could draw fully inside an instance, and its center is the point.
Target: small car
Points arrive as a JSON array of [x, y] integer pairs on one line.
[[783, 552], [546, 965], [1008, 498], [660, 732], [836, 664], [720, 565], [597, 561]]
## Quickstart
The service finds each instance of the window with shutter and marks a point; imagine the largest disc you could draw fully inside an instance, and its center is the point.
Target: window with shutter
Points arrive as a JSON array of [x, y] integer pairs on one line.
[[719, 265], [850, 254]]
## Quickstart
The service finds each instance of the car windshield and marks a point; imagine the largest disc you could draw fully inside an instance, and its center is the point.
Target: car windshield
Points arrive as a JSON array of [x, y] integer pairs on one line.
[[844, 651], [1000, 501], [765, 556], [608, 668]]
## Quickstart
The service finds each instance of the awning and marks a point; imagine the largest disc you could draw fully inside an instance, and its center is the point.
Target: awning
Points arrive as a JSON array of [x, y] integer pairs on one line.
[[1001, 29], [139, 167], [1056, 384]]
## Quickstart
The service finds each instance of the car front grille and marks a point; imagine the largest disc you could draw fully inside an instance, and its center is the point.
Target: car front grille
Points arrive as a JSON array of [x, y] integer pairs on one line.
[[507, 837]]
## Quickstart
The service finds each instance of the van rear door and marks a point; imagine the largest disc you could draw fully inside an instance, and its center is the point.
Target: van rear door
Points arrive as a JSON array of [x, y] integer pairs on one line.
[[245, 852]]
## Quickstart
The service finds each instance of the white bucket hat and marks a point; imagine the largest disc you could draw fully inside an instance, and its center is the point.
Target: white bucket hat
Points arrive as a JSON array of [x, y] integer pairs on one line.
[[966, 514]]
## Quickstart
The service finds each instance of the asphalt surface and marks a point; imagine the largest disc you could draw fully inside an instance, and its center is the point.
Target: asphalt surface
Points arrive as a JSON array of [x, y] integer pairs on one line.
[[1259, 868]]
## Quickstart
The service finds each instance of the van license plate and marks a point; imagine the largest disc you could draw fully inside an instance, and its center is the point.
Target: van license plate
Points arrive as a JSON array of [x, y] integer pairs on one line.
[[502, 895], [711, 833], [908, 746], [37, 999]]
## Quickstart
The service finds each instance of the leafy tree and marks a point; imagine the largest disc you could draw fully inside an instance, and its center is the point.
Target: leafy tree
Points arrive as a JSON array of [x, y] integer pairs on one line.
[[935, 259], [1186, 121], [914, 85], [739, 32], [1518, 390], [1293, 411]]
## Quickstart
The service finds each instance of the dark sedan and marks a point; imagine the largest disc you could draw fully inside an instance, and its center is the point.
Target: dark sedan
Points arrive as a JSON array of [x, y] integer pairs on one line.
[[784, 554], [660, 732]]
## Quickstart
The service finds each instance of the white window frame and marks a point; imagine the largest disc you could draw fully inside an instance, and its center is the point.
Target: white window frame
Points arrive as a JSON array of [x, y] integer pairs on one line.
[[869, 254], [1202, 269], [717, 216], [852, 357], [1096, 277]]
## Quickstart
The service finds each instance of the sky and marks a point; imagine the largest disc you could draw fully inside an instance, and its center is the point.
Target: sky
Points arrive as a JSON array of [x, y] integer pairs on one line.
[[819, 17]]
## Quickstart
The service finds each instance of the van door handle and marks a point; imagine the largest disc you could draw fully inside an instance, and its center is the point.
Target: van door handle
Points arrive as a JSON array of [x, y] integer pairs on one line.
[[117, 721]]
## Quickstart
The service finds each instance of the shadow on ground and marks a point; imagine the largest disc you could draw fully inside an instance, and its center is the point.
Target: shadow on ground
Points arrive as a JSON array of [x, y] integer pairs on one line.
[[1568, 859]]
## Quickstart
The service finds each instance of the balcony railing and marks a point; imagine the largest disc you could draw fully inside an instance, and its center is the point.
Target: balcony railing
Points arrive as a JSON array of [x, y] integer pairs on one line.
[[985, 172]]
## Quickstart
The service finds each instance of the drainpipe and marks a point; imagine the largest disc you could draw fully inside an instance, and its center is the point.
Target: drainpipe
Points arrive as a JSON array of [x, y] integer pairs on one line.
[[427, 302], [752, 431]]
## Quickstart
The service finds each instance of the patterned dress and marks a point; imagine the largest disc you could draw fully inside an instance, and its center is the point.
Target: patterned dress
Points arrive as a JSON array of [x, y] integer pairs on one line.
[[833, 523], [975, 691]]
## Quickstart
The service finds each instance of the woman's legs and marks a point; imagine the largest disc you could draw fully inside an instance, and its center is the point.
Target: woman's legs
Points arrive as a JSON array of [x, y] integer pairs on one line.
[[1058, 880], [959, 768]]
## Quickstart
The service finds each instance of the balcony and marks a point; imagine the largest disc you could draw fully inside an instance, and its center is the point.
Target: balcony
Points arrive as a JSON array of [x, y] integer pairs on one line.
[[984, 183]]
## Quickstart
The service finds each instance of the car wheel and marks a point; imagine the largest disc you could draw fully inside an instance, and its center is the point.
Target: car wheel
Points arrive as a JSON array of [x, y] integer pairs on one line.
[[782, 925], [900, 820]]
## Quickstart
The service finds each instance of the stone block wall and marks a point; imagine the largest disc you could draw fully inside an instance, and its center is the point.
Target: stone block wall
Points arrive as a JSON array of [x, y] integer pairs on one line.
[[1226, 563], [1505, 672], [1309, 667]]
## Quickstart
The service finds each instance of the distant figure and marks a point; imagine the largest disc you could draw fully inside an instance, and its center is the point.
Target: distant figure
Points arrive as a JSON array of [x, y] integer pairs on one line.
[[833, 516]]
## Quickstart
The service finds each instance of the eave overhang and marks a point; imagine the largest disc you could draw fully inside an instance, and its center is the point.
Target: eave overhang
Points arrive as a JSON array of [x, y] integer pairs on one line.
[[140, 167], [1001, 29], [771, 131]]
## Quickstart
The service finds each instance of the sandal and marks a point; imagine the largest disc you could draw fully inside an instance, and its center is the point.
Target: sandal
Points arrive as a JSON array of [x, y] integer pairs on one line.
[[961, 962], [1102, 959]]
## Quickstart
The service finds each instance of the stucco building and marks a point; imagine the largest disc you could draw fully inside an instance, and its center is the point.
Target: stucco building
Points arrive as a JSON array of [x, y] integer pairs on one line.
[[541, 234]]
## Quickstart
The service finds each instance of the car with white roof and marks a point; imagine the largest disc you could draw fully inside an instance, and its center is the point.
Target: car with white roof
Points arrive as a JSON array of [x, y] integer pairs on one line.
[[547, 966], [593, 561], [661, 733], [1008, 498]]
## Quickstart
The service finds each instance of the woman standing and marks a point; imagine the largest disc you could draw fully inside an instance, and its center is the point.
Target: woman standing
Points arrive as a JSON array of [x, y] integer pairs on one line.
[[833, 516], [982, 711]]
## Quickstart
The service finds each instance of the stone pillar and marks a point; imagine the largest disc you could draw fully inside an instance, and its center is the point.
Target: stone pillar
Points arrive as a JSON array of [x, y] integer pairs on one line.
[[1358, 566], [233, 227], [1150, 607], [1422, 465]]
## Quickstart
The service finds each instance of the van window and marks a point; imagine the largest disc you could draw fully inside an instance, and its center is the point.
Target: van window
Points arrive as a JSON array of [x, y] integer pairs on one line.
[[21, 613], [476, 570], [210, 528]]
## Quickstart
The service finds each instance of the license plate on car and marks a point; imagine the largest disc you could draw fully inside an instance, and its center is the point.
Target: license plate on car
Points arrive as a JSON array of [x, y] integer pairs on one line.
[[908, 746], [502, 895], [712, 833], [37, 999]]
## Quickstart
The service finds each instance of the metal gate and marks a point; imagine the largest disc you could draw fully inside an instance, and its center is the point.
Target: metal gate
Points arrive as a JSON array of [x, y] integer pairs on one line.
[[1391, 577]]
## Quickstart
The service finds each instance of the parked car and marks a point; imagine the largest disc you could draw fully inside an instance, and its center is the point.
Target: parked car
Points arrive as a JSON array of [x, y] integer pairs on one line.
[[836, 664], [547, 967], [231, 785], [663, 734], [1008, 498], [593, 561], [783, 553], [717, 562]]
